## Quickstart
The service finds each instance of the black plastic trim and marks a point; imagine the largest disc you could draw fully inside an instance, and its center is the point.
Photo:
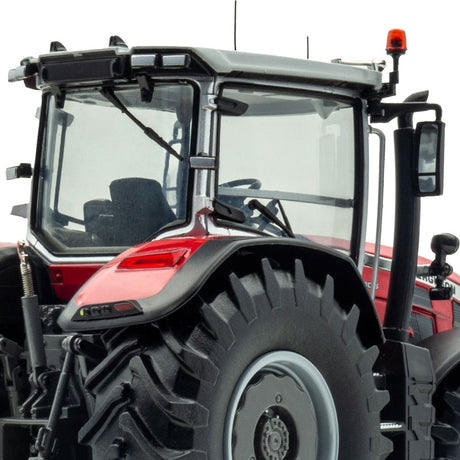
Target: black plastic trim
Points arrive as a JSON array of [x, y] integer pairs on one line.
[[35, 197], [68, 69], [410, 380], [445, 352], [422, 327], [422, 298], [456, 313], [358, 214]]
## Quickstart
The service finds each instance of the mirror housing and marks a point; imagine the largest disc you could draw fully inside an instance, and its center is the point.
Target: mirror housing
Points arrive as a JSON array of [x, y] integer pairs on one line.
[[429, 158]]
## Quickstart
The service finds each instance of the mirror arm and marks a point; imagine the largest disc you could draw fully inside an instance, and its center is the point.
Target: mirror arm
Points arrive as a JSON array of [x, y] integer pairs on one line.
[[406, 120], [384, 112]]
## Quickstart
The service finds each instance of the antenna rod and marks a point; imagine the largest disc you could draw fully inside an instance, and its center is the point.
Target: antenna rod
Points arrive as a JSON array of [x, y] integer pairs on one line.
[[308, 47], [234, 26]]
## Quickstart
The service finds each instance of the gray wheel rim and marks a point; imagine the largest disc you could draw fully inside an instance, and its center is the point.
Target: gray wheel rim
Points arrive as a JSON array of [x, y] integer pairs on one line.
[[316, 395]]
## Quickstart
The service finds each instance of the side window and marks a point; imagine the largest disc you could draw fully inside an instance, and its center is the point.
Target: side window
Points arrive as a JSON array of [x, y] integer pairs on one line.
[[295, 154]]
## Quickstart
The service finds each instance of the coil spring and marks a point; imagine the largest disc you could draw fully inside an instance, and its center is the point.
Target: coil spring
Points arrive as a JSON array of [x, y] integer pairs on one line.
[[27, 282], [26, 271]]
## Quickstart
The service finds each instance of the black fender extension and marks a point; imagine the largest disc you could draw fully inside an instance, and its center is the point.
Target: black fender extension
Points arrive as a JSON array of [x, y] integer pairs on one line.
[[445, 352], [223, 253]]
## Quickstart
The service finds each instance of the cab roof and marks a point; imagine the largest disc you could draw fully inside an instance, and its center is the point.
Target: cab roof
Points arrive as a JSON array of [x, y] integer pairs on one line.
[[236, 63], [63, 68]]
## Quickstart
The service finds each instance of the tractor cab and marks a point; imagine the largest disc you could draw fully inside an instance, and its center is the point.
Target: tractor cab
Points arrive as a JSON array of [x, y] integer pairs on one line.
[[138, 144]]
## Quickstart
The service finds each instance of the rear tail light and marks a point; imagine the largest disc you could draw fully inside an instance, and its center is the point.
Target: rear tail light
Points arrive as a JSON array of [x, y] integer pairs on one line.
[[155, 259]]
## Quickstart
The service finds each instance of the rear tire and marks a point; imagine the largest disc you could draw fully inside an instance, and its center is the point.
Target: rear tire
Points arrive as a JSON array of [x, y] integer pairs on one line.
[[262, 365], [446, 431]]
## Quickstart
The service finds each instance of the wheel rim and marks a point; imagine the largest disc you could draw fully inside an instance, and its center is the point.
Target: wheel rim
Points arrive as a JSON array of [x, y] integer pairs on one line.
[[281, 409]]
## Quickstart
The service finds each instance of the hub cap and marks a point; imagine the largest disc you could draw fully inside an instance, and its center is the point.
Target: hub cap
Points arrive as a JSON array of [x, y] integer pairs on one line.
[[275, 439], [281, 409]]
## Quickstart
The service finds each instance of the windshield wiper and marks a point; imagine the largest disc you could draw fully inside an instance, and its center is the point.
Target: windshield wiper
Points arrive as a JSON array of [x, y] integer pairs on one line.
[[265, 211], [109, 94]]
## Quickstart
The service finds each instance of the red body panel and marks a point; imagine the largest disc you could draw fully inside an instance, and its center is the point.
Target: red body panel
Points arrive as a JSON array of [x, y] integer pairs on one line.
[[66, 280], [387, 253], [115, 282], [443, 313]]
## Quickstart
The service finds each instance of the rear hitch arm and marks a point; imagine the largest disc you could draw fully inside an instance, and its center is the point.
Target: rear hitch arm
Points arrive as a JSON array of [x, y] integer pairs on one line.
[[45, 440]]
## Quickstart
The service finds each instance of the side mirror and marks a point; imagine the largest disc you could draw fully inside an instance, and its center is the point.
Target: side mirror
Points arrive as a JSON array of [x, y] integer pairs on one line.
[[17, 172], [429, 158]]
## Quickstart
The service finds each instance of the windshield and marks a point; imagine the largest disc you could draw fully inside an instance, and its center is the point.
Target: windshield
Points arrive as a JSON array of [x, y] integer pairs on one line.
[[112, 176], [291, 155]]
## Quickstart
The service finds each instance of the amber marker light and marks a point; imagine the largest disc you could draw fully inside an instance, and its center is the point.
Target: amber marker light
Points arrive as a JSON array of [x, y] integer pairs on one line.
[[396, 42]]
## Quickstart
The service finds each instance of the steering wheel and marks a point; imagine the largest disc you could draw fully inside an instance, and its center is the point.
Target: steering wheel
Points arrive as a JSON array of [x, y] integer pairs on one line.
[[249, 182]]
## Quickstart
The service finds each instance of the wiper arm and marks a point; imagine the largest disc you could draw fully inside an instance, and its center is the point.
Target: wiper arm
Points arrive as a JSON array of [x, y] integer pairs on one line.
[[109, 94], [285, 217], [256, 204]]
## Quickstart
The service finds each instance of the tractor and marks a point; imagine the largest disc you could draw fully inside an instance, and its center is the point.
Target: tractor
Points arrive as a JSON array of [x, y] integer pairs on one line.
[[167, 304]]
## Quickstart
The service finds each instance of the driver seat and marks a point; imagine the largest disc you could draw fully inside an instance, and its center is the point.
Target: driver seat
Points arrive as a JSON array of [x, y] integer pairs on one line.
[[139, 209]]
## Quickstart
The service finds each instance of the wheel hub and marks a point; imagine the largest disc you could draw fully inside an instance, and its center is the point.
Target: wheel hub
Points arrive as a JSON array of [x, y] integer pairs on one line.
[[275, 439], [275, 420], [281, 409]]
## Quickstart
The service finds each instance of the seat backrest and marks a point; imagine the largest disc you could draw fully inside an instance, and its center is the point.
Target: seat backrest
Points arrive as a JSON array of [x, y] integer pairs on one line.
[[139, 209]]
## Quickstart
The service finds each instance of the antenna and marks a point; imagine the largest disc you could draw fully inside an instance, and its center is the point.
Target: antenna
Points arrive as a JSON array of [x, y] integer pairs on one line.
[[234, 26], [308, 47]]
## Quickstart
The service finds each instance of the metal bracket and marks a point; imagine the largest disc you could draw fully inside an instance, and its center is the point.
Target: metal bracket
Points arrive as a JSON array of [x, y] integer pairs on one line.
[[202, 162], [210, 105], [9, 348]]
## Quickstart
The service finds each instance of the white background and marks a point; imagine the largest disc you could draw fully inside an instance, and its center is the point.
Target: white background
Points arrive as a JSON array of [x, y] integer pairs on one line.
[[354, 29]]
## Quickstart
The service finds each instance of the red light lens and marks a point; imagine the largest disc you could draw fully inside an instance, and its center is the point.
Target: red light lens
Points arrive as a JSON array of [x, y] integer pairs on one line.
[[396, 41], [123, 307], [154, 259]]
